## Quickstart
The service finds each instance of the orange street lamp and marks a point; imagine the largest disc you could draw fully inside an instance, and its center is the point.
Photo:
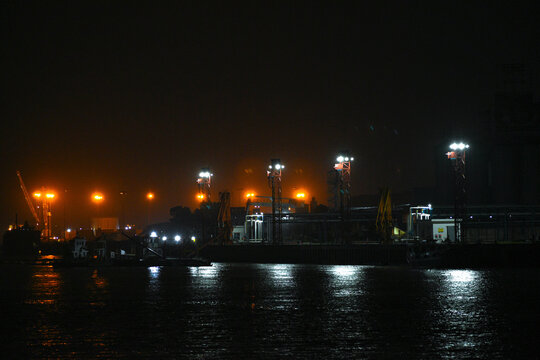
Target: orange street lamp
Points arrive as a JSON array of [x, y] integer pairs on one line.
[[150, 196], [200, 197], [250, 195]]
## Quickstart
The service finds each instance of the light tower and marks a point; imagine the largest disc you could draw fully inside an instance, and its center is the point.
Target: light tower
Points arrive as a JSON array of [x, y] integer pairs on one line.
[[45, 199], [343, 167], [203, 183], [457, 156], [150, 198], [274, 181]]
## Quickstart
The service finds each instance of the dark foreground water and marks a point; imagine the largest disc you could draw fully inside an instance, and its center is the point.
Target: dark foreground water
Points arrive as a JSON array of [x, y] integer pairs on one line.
[[251, 311]]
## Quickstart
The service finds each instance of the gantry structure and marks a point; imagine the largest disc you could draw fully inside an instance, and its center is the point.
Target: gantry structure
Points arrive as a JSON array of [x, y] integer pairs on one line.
[[274, 181], [457, 157]]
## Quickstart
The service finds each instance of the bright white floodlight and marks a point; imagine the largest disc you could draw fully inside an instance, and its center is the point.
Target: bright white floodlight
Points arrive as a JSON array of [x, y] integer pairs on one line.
[[153, 234], [460, 146], [177, 238]]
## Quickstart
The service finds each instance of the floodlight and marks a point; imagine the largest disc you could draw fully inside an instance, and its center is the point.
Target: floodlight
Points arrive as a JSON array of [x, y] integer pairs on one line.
[[460, 146]]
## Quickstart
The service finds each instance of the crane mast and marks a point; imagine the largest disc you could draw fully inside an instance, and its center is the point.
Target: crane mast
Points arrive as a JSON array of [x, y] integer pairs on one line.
[[28, 199]]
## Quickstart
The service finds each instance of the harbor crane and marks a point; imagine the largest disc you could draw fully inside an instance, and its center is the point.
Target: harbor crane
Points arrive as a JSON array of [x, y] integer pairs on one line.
[[44, 198], [28, 199]]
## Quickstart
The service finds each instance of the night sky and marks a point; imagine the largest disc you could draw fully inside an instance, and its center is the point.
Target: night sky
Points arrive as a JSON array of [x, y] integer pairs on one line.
[[122, 97]]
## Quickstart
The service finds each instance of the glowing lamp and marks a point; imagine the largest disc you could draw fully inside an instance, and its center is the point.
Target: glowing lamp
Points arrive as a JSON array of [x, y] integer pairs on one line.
[[205, 174], [459, 146]]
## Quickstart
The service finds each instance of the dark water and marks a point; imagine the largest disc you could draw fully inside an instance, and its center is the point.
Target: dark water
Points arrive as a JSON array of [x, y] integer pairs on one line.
[[241, 311]]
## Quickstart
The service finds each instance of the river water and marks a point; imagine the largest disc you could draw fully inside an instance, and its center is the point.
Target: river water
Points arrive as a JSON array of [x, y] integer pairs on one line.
[[253, 311]]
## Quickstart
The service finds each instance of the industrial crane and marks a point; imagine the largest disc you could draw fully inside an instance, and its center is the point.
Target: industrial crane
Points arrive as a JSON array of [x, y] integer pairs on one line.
[[45, 198], [28, 199]]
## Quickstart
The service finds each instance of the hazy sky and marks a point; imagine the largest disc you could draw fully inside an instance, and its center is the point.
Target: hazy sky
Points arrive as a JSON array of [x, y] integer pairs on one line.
[[114, 96]]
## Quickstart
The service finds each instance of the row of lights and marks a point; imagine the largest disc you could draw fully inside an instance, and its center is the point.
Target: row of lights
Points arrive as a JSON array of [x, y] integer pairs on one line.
[[299, 195], [342, 158], [460, 146], [177, 238], [47, 195], [277, 166], [98, 197]]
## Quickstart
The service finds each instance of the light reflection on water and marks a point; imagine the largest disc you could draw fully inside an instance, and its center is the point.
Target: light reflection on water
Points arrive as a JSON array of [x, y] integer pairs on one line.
[[45, 286], [345, 272], [459, 285], [207, 272], [270, 311], [346, 280], [463, 311], [461, 276], [99, 280], [154, 272], [153, 283], [281, 274]]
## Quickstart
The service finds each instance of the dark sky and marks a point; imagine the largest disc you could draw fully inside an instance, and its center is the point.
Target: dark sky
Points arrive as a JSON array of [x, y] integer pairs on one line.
[[109, 96]]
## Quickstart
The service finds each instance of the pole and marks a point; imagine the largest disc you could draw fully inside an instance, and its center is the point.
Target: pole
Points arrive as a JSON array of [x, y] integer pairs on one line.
[[49, 220], [273, 212], [64, 202]]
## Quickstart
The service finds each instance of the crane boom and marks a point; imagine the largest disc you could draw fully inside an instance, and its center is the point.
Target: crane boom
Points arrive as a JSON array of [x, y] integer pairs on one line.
[[28, 198]]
